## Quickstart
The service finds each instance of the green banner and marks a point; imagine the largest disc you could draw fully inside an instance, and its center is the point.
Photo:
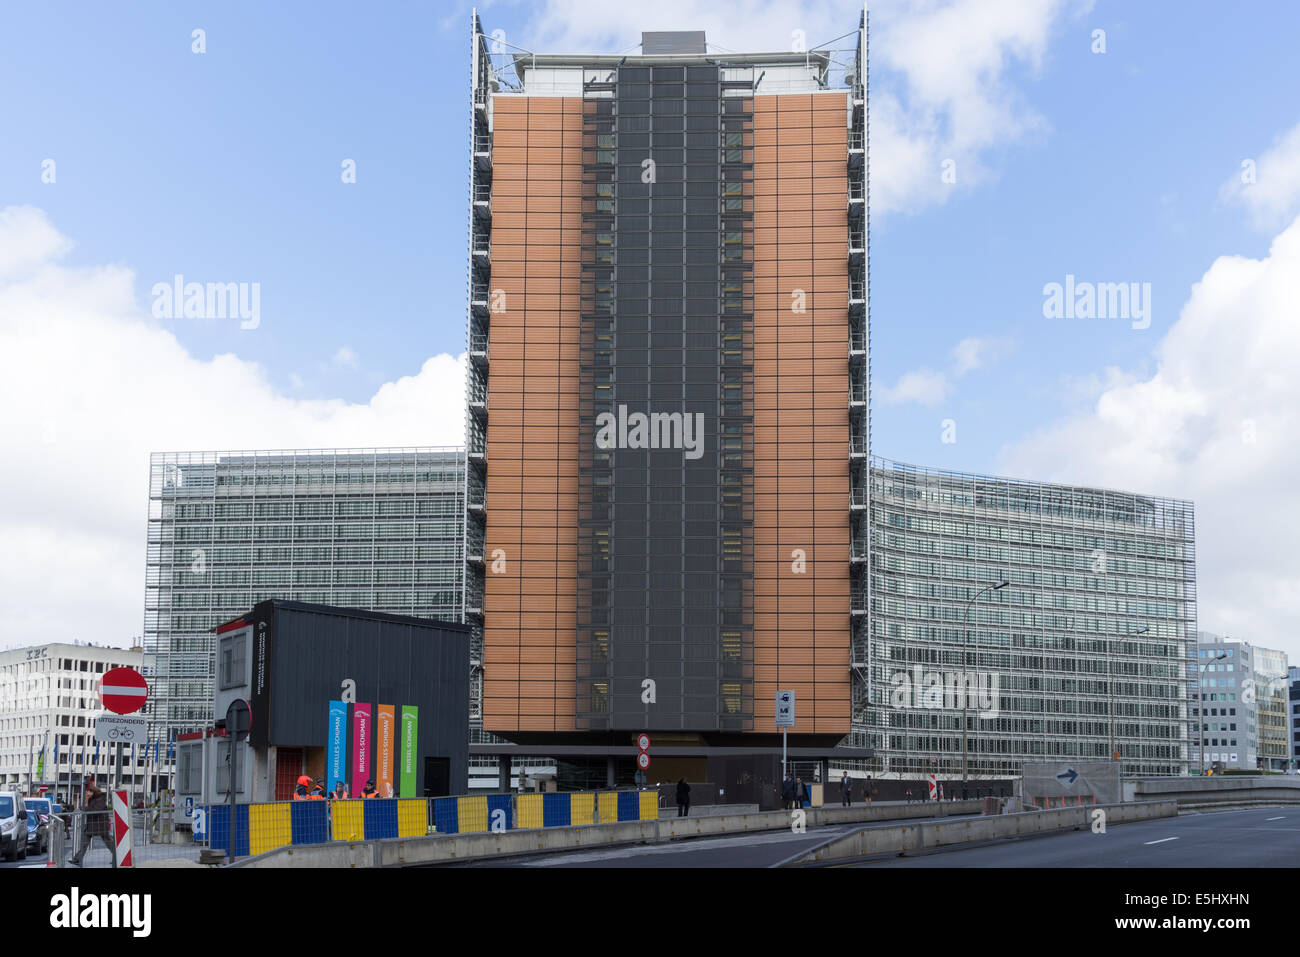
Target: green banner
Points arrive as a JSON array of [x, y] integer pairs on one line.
[[410, 734]]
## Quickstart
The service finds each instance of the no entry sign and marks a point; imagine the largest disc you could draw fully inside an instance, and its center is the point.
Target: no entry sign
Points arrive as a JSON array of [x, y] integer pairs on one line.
[[123, 690]]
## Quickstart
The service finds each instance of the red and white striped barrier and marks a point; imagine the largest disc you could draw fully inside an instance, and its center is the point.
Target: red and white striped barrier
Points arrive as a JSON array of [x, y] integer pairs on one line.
[[933, 790], [122, 828]]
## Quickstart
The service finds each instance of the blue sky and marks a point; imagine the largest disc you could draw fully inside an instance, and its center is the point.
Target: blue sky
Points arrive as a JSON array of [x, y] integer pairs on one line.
[[225, 167]]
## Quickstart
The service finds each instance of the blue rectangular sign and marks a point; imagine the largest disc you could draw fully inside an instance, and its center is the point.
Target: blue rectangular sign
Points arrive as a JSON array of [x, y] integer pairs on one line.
[[336, 745]]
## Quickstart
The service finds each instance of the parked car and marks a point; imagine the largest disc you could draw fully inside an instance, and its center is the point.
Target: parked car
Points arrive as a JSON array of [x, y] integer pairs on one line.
[[13, 826], [39, 822]]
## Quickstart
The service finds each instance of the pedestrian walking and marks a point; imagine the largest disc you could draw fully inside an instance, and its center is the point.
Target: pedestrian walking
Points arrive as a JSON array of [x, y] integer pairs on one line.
[[866, 789], [787, 792], [800, 792], [683, 798], [846, 790], [96, 824]]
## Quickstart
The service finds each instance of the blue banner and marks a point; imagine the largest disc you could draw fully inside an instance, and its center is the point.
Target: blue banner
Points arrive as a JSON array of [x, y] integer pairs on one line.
[[336, 745]]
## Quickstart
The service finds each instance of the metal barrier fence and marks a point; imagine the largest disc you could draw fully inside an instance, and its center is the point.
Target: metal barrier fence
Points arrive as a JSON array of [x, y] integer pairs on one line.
[[259, 828], [153, 837]]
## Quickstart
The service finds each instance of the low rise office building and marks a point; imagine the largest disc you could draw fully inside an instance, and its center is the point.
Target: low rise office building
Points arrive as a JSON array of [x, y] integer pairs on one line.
[[339, 694], [49, 699]]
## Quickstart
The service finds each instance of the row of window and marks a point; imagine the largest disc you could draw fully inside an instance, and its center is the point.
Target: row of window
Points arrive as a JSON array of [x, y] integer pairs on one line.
[[424, 531], [904, 569], [314, 508], [1102, 564], [341, 477], [1134, 541], [445, 551], [383, 575]]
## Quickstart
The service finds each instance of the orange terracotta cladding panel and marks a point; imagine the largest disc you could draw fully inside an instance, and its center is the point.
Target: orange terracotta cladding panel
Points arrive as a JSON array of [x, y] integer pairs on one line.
[[801, 420], [530, 596]]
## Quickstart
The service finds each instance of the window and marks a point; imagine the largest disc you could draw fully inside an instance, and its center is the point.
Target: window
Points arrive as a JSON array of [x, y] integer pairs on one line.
[[232, 659], [189, 768]]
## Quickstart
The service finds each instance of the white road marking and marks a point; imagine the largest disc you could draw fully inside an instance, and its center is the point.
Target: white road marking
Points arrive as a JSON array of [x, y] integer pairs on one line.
[[1161, 841], [1278, 818]]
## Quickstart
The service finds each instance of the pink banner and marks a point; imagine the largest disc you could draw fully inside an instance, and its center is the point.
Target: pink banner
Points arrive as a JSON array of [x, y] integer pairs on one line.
[[360, 747]]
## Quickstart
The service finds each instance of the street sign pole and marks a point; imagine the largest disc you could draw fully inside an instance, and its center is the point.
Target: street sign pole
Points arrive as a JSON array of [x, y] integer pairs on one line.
[[233, 780], [784, 720]]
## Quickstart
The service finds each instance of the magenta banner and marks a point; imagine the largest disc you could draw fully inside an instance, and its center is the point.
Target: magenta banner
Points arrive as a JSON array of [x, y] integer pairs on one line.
[[360, 747]]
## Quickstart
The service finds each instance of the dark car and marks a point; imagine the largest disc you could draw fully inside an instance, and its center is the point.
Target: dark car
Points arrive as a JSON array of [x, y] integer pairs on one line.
[[38, 823]]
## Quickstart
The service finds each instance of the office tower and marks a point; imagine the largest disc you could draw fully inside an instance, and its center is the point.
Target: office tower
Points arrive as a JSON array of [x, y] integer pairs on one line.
[[667, 418]]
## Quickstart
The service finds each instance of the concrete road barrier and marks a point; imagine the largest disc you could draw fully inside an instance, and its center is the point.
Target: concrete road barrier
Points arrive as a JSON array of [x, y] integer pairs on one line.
[[1226, 789], [916, 838], [448, 848]]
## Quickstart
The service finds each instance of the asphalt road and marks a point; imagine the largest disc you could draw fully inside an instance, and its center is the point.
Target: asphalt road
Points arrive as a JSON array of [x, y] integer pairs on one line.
[[1258, 837], [742, 850]]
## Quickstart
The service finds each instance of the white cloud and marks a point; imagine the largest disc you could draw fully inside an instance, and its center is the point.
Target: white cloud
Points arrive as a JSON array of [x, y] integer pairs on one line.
[[928, 387], [92, 385], [27, 241], [346, 357], [1272, 197], [939, 70], [923, 385], [1216, 423], [974, 353]]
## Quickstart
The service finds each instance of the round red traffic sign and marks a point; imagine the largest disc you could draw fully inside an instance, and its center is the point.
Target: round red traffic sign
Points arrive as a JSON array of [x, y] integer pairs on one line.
[[643, 760], [123, 690], [643, 742]]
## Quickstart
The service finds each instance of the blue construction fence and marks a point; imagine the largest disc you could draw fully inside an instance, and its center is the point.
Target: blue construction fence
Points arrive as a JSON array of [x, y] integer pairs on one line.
[[259, 828]]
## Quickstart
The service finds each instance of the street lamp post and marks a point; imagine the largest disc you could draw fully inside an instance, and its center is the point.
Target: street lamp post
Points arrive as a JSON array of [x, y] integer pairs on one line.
[[1110, 683], [1200, 706], [964, 696]]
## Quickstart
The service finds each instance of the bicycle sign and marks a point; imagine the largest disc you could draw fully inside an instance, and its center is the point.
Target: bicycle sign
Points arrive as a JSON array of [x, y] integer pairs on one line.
[[123, 728]]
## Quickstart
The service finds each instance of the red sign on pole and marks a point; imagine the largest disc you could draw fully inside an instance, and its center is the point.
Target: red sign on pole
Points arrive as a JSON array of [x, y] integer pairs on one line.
[[123, 690], [643, 760]]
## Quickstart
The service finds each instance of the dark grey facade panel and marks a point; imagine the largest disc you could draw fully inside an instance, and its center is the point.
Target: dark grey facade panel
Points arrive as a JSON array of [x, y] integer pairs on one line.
[[666, 534], [393, 660]]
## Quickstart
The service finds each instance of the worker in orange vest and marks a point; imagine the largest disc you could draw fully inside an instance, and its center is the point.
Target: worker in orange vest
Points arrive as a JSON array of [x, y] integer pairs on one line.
[[369, 791], [302, 791], [318, 790]]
